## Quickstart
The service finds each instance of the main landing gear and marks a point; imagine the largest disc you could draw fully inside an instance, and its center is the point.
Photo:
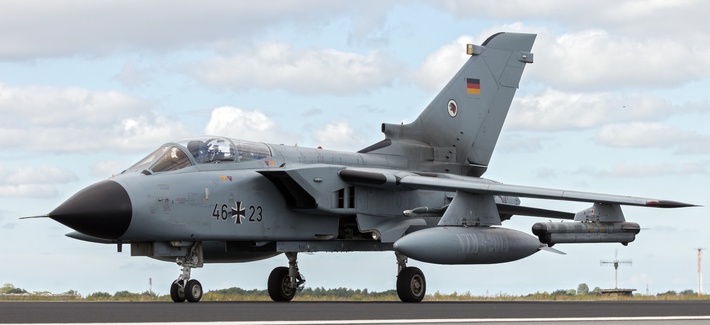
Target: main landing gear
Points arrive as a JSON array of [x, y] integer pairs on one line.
[[411, 284], [285, 281], [185, 288]]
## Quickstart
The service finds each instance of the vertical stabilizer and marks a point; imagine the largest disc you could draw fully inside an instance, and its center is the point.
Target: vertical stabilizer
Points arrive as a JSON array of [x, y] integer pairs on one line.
[[463, 122]]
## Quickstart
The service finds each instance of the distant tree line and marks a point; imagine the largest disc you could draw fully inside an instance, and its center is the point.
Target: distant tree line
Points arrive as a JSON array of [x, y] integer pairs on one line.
[[315, 292], [124, 295], [10, 289], [583, 290], [682, 293], [322, 293]]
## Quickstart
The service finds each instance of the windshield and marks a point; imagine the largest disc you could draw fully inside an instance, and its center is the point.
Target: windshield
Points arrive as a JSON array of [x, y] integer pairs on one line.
[[206, 150], [167, 157], [173, 159], [149, 160]]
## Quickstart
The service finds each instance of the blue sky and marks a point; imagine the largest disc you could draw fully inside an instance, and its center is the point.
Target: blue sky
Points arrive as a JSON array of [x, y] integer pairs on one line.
[[616, 102]]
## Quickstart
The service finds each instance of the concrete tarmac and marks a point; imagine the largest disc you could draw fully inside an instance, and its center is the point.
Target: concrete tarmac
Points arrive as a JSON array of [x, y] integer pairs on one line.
[[355, 312]]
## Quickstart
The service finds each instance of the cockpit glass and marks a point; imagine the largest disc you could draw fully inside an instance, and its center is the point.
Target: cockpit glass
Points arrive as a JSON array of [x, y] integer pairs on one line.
[[206, 150], [214, 150], [221, 150], [252, 151], [149, 160], [173, 159], [168, 157]]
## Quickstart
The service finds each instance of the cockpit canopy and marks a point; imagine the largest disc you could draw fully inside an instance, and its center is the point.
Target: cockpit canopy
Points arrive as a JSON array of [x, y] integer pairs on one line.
[[205, 150]]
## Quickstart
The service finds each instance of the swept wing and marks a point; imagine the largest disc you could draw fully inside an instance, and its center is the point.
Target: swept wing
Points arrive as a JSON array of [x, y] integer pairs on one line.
[[447, 182]]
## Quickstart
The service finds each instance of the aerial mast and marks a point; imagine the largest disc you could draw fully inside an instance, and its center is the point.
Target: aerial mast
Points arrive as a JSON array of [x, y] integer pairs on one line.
[[616, 263], [700, 271]]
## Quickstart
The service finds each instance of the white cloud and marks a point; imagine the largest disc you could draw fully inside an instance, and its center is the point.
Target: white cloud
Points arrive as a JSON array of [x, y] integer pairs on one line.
[[71, 106], [133, 75], [630, 170], [99, 28], [38, 182], [438, 68], [653, 135], [639, 42], [35, 175], [75, 119], [29, 190], [509, 9], [145, 131], [510, 142], [660, 18], [338, 136], [640, 134], [596, 59], [555, 110], [368, 23], [238, 123], [625, 120], [107, 168], [588, 59], [277, 65]]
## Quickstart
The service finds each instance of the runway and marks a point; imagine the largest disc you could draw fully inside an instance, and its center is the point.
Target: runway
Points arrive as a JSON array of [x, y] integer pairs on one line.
[[354, 312]]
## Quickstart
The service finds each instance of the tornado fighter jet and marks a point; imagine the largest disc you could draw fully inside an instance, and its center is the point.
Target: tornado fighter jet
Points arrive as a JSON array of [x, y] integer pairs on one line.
[[418, 193]]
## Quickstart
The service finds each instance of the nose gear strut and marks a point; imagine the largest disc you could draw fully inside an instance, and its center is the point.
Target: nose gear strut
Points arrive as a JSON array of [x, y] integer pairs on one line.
[[185, 288]]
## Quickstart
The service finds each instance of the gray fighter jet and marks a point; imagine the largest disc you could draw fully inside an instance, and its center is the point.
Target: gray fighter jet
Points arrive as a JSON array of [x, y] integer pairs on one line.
[[418, 193]]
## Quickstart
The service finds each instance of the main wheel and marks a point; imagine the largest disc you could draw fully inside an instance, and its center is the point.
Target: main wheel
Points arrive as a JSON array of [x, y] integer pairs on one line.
[[279, 285], [193, 291], [411, 285], [177, 292]]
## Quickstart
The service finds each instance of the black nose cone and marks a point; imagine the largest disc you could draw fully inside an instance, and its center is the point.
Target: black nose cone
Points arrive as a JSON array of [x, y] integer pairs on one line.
[[101, 210]]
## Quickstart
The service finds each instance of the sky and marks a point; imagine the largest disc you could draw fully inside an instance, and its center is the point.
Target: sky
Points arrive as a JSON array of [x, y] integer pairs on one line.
[[616, 102]]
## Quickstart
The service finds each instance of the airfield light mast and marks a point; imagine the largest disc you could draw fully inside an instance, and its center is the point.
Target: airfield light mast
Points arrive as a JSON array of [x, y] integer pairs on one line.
[[700, 271], [616, 263]]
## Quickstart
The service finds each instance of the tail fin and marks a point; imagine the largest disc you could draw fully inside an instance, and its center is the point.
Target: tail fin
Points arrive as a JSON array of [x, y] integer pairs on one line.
[[461, 125]]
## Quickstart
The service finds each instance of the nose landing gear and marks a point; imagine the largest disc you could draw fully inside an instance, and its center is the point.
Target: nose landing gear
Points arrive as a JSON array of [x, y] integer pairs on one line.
[[185, 288]]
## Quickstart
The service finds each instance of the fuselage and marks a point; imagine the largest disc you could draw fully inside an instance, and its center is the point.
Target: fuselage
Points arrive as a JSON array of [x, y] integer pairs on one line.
[[228, 193]]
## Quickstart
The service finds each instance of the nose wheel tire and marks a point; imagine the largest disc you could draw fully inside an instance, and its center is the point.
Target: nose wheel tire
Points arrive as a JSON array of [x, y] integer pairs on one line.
[[411, 285], [193, 291], [279, 285]]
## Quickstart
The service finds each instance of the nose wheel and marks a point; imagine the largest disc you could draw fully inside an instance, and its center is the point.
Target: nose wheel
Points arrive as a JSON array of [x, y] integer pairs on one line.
[[185, 288]]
